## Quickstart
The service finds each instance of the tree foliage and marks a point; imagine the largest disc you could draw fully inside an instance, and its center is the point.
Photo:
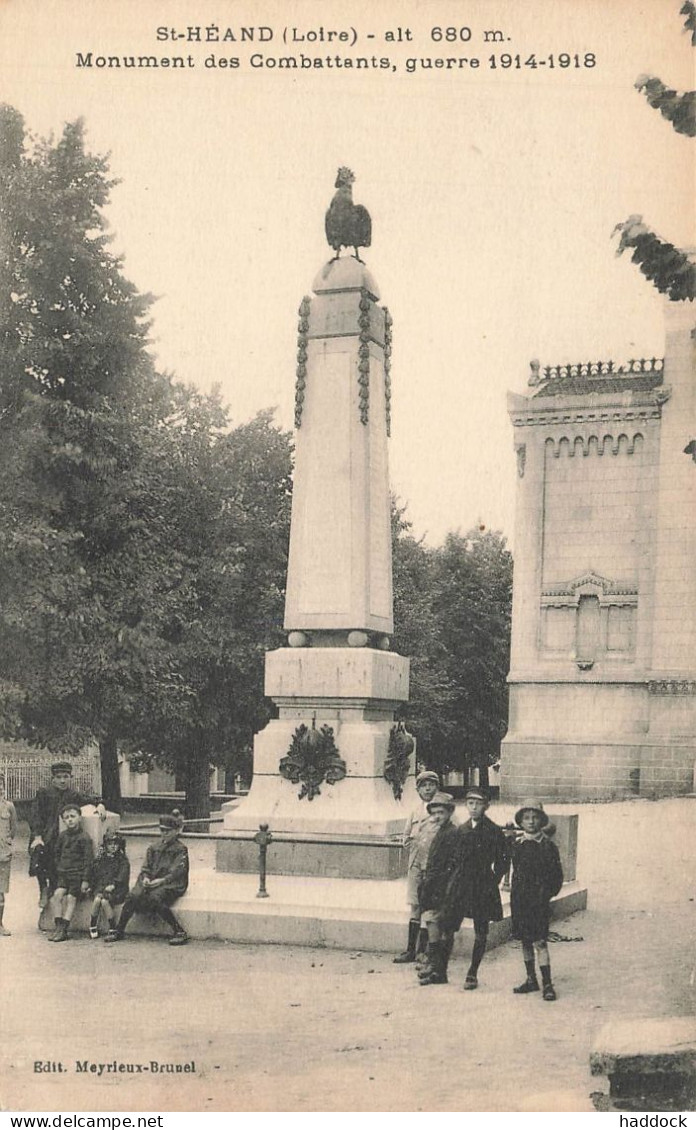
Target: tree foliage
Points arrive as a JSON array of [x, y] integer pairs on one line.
[[452, 610], [671, 270]]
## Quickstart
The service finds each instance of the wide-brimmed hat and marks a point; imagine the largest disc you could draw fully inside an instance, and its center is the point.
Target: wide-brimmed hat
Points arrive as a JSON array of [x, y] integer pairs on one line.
[[441, 800], [427, 775], [476, 794], [535, 806], [61, 767]]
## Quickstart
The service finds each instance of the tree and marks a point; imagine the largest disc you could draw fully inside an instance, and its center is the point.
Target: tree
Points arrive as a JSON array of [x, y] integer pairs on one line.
[[452, 610], [205, 699], [671, 270], [78, 387]]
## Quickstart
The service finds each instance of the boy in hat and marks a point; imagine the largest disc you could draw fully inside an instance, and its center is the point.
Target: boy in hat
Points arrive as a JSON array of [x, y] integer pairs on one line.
[[8, 828], [481, 859], [162, 880], [109, 881], [419, 831], [44, 828], [73, 859], [438, 872], [536, 877]]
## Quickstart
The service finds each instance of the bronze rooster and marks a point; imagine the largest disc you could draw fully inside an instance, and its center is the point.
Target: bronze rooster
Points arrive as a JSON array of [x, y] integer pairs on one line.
[[347, 224]]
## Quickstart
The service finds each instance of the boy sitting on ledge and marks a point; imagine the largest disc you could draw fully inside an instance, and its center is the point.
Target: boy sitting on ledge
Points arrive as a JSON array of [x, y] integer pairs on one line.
[[162, 880]]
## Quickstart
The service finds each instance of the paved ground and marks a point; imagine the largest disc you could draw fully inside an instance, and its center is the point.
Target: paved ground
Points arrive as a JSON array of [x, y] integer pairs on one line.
[[280, 1029]]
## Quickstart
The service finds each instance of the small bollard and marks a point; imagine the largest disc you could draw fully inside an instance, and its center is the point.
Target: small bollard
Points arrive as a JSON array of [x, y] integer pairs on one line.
[[263, 838]]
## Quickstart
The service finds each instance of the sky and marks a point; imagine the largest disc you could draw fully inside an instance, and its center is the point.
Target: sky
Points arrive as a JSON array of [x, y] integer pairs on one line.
[[493, 195]]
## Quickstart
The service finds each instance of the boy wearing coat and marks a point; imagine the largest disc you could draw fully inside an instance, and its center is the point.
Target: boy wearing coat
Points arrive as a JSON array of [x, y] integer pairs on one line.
[[73, 859], [162, 880], [438, 872], [418, 835], [537, 876], [481, 859]]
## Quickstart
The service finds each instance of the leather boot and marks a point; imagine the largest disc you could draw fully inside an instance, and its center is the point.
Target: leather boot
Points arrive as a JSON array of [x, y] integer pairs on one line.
[[63, 935], [422, 946], [58, 930], [437, 970], [409, 953]]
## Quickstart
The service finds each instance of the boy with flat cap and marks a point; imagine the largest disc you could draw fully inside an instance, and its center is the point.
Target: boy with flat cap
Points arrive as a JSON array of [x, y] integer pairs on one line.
[[438, 873], [162, 879], [44, 824], [480, 861], [419, 831]]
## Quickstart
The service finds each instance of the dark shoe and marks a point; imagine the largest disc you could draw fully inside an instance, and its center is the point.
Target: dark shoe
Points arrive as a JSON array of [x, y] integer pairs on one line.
[[409, 954], [114, 936], [436, 977], [549, 993], [179, 939], [471, 981], [63, 935], [531, 985]]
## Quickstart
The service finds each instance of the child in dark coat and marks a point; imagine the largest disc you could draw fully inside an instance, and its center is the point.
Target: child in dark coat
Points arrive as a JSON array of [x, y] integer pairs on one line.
[[481, 860], [434, 885], [73, 859], [109, 881], [537, 876], [162, 880]]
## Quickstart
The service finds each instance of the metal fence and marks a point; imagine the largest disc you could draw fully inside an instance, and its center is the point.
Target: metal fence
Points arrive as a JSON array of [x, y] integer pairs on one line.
[[24, 775]]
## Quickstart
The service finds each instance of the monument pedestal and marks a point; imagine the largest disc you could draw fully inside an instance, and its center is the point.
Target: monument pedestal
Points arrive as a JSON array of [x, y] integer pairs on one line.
[[355, 692]]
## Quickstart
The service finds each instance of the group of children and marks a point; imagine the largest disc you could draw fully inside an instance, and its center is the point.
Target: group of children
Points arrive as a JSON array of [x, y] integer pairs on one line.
[[454, 872], [162, 879], [67, 871]]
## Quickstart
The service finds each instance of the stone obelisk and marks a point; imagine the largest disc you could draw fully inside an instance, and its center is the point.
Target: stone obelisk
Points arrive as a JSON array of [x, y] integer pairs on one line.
[[319, 767]]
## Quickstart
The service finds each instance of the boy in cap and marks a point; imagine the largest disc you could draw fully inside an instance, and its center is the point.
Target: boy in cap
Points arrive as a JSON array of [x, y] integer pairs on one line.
[[419, 831], [73, 859], [481, 859], [438, 872], [8, 828], [537, 876], [44, 827], [162, 880]]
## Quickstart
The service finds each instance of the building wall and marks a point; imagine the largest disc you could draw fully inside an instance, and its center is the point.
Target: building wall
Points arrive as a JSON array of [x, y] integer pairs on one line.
[[603, 658]]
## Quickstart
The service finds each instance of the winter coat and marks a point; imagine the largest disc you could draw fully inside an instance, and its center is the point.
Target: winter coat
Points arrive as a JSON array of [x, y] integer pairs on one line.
[[537, 876], [481, 859], [167, 861], [438, 872], [8, 828], [74, 854], [108, 869]]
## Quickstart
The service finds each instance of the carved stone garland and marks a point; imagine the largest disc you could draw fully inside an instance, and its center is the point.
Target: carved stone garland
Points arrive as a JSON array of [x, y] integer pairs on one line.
[[388, 322], [301, 371], [397, 761], [364, 356], [312, 759]]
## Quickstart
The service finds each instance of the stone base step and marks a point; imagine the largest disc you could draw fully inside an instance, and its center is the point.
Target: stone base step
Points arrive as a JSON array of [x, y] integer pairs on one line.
[[352, 914]]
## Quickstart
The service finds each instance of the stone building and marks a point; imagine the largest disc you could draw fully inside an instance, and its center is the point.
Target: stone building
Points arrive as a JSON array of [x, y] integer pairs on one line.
[[603, 663]]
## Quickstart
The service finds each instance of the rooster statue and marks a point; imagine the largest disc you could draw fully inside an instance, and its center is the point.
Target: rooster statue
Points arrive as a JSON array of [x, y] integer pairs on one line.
[[347, 224]]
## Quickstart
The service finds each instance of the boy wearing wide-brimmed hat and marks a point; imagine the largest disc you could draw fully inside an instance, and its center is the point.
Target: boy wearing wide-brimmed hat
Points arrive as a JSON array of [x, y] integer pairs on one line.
[[162, 879], [419, 832], [438, 872], [537, 876], [481, 861]]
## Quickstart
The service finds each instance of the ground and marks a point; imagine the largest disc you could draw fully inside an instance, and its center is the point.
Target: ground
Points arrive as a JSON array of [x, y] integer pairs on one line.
[[289, 1029]]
